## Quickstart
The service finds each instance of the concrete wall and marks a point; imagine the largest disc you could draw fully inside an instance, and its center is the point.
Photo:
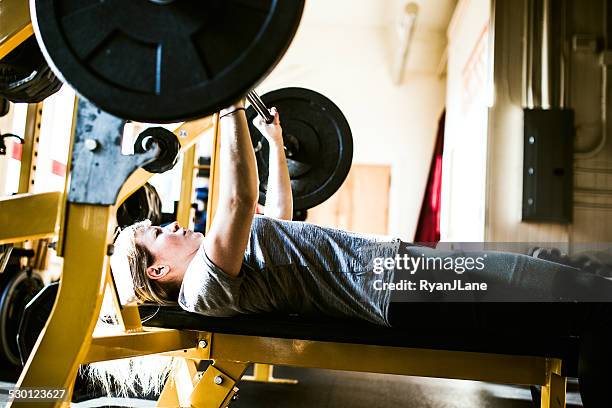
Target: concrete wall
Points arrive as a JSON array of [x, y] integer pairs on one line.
[[349, 59]]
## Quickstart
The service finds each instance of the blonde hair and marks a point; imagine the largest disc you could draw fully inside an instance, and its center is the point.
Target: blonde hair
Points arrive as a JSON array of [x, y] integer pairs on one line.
[[129, 264], [131, 376]]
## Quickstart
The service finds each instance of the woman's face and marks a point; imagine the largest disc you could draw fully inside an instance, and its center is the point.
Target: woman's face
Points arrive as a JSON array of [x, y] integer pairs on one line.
[[171, 244]]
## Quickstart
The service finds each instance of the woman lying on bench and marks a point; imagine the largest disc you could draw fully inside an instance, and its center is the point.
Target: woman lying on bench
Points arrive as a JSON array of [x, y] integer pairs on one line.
[[250, 264]]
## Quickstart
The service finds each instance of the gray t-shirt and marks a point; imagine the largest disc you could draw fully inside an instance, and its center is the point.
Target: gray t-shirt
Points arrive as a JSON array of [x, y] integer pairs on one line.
[[294, 268]]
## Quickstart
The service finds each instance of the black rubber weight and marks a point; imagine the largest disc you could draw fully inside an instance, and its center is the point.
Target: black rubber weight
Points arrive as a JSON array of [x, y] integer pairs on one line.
[[15, 294], [144, 204], [35, 316], [5, 107], [318, 134], [25, 75], [148, 62]]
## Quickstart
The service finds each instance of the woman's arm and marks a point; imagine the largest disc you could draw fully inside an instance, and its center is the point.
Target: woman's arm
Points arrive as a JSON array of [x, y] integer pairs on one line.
[[279, 200], [227, 239]]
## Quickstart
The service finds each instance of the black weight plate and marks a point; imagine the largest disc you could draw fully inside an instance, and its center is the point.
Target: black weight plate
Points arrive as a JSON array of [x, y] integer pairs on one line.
[[39, 88], [144, 204], [5, 106], [15, 294], [149, 62], [34, 318], [25, 75], [324, 155]]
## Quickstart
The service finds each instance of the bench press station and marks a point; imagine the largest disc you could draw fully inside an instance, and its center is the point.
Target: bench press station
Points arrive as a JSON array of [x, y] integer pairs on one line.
[[235, 343], [82, 218]]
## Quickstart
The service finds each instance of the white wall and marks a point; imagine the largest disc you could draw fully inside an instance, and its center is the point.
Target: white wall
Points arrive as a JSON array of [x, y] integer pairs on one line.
[[465, 143], [348, 57]]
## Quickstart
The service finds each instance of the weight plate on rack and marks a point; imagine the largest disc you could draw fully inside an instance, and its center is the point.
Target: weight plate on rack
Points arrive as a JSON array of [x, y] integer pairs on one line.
[[20, 288], [318, 140], [25, 76], [148, 61], [144, 204], [5, 106], [35, 316]]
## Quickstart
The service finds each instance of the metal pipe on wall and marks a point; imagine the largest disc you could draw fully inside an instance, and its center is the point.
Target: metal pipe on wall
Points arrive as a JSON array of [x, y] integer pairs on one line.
[[547, 52], [545, 67], [531, 55], [406, 30], [606, 62]]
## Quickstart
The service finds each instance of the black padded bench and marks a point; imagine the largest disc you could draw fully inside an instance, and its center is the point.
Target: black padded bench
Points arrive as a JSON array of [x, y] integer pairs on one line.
[[526, 343], [508, 344]]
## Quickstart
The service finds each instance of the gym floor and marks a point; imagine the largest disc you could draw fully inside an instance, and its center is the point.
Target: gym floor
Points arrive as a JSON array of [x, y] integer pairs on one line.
[[327, 388]]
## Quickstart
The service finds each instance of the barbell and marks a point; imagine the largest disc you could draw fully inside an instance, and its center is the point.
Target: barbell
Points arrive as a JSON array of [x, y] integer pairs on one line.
[[317, 139], [171, 61]]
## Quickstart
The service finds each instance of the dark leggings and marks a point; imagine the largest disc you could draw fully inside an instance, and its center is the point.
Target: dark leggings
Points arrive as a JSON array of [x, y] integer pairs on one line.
[[524, 293]]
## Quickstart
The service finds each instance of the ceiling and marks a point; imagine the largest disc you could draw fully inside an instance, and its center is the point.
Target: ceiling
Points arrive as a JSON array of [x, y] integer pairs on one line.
[[427, 49], [434, 15]]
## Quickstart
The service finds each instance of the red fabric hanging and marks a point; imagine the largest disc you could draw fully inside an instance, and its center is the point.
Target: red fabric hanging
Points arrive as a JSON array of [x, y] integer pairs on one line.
[[428, 228]]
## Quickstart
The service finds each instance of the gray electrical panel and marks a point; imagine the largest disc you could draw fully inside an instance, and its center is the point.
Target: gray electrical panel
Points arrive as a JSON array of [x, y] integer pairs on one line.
[[548, 164]]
